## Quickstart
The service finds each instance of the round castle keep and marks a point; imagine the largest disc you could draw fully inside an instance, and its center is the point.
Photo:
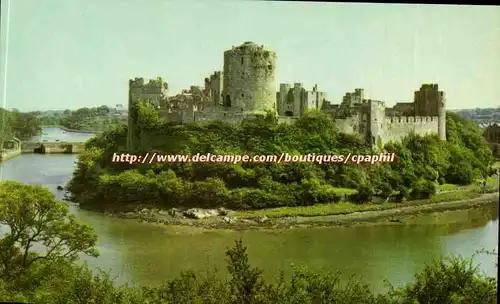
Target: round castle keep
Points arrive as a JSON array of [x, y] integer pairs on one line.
[[249, 79]]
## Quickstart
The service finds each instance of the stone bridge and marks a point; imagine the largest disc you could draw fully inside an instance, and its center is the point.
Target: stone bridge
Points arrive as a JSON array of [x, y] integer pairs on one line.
[[58, 147]]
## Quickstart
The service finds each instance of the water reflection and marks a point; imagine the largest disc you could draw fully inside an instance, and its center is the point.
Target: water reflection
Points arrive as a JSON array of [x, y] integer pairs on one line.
[[57, 134]]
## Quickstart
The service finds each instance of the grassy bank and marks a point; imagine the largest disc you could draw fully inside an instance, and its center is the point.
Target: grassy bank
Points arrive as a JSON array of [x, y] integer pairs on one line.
[[448, 193], [335, 214]]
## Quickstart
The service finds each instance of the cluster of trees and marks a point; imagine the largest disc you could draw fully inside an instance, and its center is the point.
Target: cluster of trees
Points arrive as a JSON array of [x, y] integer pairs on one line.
[[34, 217], [85, 119], [91, 119], [422, 163], [26, 124], [15, 123]]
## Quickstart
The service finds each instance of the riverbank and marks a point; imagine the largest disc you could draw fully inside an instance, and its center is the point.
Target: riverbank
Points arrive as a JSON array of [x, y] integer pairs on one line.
[[347, 215], [8, 154], [79, 131]]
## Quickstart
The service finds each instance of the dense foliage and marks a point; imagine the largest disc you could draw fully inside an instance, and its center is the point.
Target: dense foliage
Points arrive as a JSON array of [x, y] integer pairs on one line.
[[15, 123], [51, 275], [84, 119], [90, 119], [24, 125], [422, 163]]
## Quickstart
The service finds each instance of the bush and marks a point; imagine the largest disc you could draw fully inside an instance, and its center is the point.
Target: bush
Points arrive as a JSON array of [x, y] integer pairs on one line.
[[423, 189], [402, 195], [449, 281], [313, 192], [460, 173], [211, 193], [253, 199], [364, 195]]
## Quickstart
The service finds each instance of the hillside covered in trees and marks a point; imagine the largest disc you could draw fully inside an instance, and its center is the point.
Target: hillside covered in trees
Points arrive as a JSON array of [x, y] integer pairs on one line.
[[15, 123], [422, 164], [26, 124], [85, 119]]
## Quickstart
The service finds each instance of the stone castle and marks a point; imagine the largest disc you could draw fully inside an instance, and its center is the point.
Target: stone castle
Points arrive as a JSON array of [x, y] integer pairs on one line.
[[246, 87]]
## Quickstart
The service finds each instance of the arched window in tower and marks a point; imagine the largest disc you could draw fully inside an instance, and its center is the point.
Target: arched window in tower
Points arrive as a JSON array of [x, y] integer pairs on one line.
[[242, 60], [227, 101]]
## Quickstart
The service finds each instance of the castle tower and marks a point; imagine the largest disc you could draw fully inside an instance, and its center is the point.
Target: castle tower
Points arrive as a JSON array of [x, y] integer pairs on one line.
[[298, 88], [135, 86], [249, 79], [442, 116], [282, 100], [216, 87], [373, 118], [429, 101], [155, 91]]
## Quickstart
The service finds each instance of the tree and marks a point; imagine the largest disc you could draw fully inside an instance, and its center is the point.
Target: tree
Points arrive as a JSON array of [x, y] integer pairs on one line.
[[103, 110], [246, 283], [35, 218]]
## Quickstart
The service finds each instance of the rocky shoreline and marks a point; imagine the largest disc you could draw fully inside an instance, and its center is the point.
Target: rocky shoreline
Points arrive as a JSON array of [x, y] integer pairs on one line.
[[222, 219]]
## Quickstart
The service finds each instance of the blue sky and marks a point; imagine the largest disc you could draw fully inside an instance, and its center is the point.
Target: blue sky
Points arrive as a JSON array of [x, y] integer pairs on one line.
[[72, 53]]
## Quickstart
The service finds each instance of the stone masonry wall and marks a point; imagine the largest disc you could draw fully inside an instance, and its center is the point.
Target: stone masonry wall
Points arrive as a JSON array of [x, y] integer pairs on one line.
[[349, 125], [214, 86], [249, 79], [398, 127]]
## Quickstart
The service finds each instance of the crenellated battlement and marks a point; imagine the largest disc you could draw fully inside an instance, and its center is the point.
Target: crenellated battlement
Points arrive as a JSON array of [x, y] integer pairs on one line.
[[377, 103], [411, 119], [215, 75], [139, 83], [136, 83], [298, 85]]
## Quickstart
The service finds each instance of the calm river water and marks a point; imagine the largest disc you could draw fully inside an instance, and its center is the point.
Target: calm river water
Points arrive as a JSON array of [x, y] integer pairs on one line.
[[147, 254]]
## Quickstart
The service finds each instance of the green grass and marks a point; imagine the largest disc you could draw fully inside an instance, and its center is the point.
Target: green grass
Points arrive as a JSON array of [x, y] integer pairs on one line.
[[346, 207], [344, 191], [447, 187], [492, 179]]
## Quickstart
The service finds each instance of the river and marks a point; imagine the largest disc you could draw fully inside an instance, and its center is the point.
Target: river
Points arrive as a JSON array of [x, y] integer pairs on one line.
[[148, 254]]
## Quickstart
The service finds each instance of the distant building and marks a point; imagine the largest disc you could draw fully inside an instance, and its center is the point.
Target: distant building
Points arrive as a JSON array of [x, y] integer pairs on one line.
[[492, 135], [481, 116]]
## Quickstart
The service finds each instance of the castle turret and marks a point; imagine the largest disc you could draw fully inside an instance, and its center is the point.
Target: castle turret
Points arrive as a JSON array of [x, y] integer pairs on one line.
[[442, 116], [215, 86], [429, 101], [373, 119], [155, 91], [298, 88], [282, 100], [249, 79]]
